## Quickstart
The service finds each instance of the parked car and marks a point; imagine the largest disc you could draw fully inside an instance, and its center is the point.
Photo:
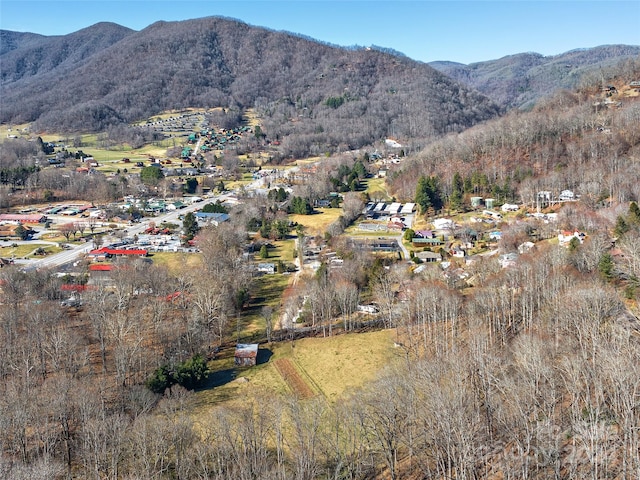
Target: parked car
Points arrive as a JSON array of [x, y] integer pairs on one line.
[[71, 302]]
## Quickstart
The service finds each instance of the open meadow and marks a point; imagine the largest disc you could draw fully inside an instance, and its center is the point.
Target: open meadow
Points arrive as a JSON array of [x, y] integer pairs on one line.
[[318, 222], [332, 367]]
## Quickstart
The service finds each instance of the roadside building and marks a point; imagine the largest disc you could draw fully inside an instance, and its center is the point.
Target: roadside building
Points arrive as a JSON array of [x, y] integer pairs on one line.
[[23, 218], [211, 218]]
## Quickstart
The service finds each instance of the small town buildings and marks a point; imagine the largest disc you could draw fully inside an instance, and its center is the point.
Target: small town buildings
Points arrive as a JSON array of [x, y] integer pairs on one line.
[[175, 205], [565, 237], [566, 196], [426, 242], [371, 309], [407, 208], [23, 218], [104, 253], [508, 259], [268, 268], [246, 354], [393, 208], [493, 215], [525, 247], [9, 230]]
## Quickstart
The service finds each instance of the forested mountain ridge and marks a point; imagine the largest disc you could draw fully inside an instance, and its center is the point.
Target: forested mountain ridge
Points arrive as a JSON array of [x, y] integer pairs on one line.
[[324, 95], [519, 81], [586, 140], [27, 55]]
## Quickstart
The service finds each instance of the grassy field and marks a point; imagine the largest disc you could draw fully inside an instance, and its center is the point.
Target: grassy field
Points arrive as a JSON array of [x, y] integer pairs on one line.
[[174, 262], [21, 251], [333, 367], [376, 188], [317, 223], [6, 130], [283, 250], [340, 364]]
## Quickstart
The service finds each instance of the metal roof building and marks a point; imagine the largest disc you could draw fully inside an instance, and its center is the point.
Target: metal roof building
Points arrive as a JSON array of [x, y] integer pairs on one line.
[[246, 354]]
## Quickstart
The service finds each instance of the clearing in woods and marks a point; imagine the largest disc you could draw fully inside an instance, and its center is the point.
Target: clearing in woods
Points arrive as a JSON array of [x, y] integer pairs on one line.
[[318, 222], [332, 367]]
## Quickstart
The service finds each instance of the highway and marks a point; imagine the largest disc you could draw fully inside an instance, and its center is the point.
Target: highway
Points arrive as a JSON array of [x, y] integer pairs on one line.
[[76, 251]]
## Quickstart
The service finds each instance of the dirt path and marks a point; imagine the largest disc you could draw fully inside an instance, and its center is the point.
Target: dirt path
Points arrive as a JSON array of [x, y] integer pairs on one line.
[[292, 377]]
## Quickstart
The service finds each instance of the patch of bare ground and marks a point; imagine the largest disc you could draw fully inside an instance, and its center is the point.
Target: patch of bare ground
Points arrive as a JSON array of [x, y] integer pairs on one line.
[[294, 380]]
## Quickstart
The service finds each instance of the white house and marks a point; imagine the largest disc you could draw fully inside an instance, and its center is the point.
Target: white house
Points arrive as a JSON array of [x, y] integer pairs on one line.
[[492, 214], [564, 238], [566, 195], [510, 207], [268, 268], [368, 309]]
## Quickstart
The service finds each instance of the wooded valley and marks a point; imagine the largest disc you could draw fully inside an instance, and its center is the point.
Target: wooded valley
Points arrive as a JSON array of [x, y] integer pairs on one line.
[[518, 359]]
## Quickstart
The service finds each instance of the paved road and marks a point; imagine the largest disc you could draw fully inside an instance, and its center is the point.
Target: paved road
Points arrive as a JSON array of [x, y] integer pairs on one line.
[[66, 256], [71, 255], [76, 251]]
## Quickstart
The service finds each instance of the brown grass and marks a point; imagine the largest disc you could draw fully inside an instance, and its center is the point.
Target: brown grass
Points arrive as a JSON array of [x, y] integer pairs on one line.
[[292, 377], [317, 223], [174, 262]]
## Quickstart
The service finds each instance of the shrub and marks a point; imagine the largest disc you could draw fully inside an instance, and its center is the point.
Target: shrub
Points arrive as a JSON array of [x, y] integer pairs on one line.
[[189, 374]]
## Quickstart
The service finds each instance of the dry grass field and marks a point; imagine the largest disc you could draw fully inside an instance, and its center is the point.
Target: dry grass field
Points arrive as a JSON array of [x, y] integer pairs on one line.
[[174, 262], [342, 363], [317, 223], [26, 250], [284, 250], [333, 367], [376, 188]]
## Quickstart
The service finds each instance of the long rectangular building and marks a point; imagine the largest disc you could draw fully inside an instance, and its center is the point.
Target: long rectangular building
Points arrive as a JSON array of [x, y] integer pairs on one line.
[[23, 218], [408, 208]]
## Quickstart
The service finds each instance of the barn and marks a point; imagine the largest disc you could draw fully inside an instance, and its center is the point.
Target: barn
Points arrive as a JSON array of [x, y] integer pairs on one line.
[[246, 354]]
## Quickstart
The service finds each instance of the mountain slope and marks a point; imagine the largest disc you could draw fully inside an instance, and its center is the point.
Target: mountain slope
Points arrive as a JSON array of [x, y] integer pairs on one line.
[[26, 55], [302, 87], [518, 81]]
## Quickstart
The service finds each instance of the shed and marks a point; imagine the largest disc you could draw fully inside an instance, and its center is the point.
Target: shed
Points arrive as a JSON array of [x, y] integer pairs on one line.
[[246, 354]]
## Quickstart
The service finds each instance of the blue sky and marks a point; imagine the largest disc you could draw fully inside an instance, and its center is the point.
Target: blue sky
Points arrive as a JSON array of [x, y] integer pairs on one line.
[[425, 30]]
